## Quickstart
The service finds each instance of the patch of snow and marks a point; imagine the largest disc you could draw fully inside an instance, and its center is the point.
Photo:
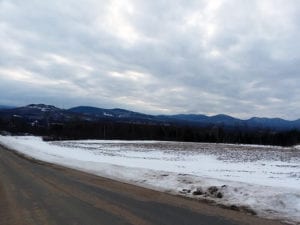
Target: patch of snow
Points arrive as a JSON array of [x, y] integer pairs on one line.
[[37, 107], [41, 107], [108, 114], [263, 179]]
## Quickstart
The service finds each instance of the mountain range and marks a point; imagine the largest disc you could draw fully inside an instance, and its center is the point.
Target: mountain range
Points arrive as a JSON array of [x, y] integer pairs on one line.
[[42, 114]]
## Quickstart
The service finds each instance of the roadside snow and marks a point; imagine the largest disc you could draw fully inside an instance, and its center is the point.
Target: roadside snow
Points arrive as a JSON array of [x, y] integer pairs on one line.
[[261, 179]]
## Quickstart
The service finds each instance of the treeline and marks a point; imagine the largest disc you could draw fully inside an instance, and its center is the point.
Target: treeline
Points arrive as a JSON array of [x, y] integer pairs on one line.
[[134, 131]]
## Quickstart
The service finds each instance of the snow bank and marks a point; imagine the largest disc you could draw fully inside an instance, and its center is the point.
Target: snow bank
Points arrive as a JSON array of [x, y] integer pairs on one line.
[[263, 180]]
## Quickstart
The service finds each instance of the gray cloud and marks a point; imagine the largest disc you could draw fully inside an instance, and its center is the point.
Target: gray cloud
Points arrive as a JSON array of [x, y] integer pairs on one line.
[[234, 57]]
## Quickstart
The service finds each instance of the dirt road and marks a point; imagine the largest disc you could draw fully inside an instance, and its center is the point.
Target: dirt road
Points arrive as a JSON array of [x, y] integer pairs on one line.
[[38, 193]]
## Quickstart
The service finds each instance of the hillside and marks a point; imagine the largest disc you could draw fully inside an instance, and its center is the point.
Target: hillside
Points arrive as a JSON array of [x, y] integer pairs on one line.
[[98, 123]]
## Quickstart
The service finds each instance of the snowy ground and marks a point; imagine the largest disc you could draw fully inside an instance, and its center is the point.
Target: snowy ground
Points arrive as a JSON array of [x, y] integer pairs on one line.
[[262, 179]]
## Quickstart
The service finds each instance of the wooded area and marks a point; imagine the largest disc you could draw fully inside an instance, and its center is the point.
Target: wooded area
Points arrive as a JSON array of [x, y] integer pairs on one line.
[[78, 129]]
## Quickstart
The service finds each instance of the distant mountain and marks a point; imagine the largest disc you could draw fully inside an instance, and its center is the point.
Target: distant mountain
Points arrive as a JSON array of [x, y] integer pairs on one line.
[[6, 107], [99, 112], [37, 113], [190, 117], [121, 115], [273, 123], [202, 119], [253, 123], [41, 113]]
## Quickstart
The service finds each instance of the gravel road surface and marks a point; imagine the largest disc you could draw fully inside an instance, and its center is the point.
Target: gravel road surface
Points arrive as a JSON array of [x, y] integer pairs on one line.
[[37, 193]]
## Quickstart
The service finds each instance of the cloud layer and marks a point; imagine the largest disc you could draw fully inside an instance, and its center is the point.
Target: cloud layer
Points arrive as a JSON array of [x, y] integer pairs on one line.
[[235, 57]]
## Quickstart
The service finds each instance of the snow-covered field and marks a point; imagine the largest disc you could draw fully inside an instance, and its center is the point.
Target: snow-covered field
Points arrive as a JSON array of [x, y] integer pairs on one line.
[[265, 180]]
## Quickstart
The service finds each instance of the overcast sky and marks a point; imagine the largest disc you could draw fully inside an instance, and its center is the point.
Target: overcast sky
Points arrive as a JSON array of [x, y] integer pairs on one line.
[[235, 57]]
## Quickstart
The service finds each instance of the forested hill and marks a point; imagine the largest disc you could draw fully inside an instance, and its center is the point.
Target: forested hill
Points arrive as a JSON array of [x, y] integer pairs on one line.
[[90, 122]]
